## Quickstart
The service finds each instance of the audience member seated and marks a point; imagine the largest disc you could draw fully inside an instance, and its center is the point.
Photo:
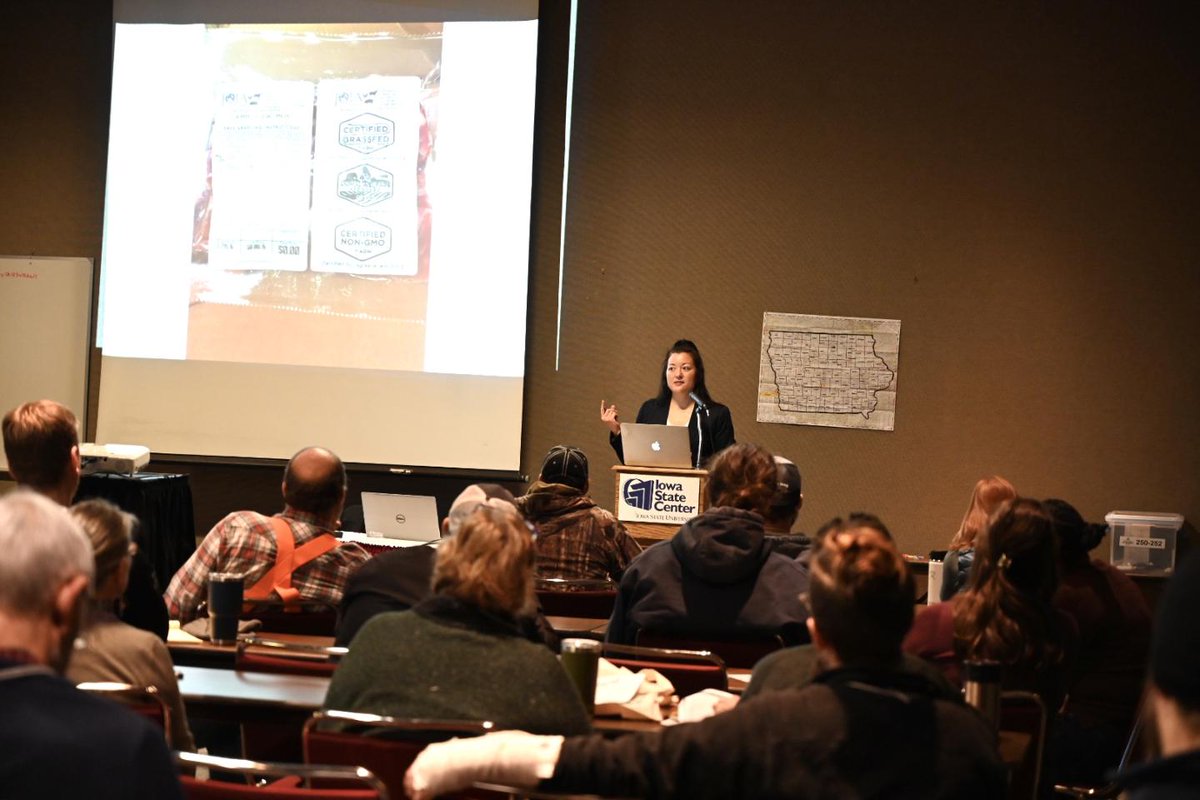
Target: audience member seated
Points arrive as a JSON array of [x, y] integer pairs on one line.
[[781, 513], [717, 576], [108, 649], [41, 443], [986, 497], [461, 654], [862, 729], [857, 519], [56, 741], [796, 667], [1173, 694], [576, 538], [246, 543], [1005, 613], [1110, 663], [399, 579]]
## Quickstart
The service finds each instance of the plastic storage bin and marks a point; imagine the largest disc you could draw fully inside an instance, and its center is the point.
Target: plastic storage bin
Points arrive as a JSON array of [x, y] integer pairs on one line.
[[1144, 541]]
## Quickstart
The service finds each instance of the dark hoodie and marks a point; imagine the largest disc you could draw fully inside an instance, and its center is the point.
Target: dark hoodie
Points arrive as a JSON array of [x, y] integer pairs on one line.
[[715, 577]]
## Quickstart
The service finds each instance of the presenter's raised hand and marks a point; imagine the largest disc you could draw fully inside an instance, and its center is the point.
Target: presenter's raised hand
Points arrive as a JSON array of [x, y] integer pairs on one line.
[[610, 417]]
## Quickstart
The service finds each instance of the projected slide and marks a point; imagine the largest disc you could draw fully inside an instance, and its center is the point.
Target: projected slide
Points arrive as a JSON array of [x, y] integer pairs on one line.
[[334, 195]]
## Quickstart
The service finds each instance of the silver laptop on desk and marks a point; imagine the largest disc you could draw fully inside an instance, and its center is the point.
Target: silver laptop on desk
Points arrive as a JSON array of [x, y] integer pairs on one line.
[[409, 518], [656, 445]]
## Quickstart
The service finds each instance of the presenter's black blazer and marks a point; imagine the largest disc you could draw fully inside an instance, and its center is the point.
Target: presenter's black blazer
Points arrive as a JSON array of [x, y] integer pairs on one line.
[[717, 422]]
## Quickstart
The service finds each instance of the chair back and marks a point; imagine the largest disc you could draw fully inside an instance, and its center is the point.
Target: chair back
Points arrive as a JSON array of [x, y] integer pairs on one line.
[[288, 658], [384, 745], [1133, 753], [576, 597], [288, 787], [740, 651], [1023, 714], [689, 671], [145, 701], [308, 617]]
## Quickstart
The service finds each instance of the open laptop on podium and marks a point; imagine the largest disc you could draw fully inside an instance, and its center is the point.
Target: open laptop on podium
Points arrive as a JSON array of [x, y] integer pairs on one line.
[[656, 445]]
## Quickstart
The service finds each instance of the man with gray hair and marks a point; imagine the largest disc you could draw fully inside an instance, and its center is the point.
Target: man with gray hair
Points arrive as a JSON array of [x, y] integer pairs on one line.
[[56, 740]]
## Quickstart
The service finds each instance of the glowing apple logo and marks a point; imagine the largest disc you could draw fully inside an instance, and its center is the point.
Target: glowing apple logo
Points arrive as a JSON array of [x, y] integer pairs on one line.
[[655, 446]]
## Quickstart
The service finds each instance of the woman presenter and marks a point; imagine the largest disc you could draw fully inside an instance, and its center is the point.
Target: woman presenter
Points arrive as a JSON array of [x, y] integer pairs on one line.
[[683, 399]]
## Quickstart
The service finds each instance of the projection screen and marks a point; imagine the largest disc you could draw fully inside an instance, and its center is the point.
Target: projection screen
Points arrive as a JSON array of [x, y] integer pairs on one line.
[[316, 230]]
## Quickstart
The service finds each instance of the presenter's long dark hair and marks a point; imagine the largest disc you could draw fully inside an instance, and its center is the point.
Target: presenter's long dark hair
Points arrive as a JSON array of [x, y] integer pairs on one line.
[[689, 347]]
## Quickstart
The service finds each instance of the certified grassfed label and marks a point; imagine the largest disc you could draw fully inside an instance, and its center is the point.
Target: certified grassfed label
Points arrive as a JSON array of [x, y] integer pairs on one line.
[[1142, 541], [364, 206]]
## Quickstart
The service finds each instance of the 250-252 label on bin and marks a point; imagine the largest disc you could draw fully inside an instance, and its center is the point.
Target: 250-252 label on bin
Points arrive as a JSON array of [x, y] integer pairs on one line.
[[1142, 541]]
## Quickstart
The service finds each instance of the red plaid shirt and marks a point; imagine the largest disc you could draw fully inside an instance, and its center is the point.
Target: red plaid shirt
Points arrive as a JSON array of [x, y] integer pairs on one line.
[[244, 544]]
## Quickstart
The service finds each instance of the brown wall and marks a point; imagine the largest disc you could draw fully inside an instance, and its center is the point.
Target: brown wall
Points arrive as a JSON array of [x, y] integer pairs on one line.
[[1016, 183]]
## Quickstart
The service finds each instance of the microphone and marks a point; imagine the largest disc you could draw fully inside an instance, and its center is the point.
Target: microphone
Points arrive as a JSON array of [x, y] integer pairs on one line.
[[700, 406]]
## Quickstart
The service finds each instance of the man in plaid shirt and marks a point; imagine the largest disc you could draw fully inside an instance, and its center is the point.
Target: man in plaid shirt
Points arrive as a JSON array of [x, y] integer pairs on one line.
[[243, 543], [576, 538]]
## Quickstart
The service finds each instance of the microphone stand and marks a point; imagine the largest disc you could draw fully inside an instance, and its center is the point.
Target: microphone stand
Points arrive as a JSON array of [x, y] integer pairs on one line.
[[700, 406]]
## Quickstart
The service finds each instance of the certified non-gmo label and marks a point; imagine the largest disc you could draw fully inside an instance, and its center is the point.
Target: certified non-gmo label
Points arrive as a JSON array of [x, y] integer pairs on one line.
[[1142, 541]]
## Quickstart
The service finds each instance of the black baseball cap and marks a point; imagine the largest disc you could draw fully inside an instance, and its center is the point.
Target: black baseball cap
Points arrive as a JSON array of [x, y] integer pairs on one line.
[[567, 465]]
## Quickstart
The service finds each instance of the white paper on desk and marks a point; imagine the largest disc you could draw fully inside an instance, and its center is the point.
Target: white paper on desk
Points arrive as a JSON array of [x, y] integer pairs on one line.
[[177, 635], [699, 705], [616, 684], [650, 691]]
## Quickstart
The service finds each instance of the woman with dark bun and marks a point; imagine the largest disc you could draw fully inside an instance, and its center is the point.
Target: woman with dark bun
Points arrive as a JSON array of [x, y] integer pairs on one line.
[[1114, 645], [710, 427], [717, 575]]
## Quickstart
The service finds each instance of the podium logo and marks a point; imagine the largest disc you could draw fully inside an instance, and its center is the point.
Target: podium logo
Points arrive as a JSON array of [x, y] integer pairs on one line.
[[639, 494]]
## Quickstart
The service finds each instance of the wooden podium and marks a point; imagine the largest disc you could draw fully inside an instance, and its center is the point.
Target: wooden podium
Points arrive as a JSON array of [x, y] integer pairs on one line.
[[675, 484]]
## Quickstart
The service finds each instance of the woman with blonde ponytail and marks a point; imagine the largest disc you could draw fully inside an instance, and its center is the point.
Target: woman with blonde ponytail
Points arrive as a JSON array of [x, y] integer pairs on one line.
[[717, 576], [986, 497]]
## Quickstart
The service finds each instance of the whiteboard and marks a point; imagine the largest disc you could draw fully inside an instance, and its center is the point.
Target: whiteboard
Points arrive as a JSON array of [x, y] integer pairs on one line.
[[45, 325]]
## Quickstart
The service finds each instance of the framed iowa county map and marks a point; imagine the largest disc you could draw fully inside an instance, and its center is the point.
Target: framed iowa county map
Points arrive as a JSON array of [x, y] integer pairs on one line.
[[838, 372]]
